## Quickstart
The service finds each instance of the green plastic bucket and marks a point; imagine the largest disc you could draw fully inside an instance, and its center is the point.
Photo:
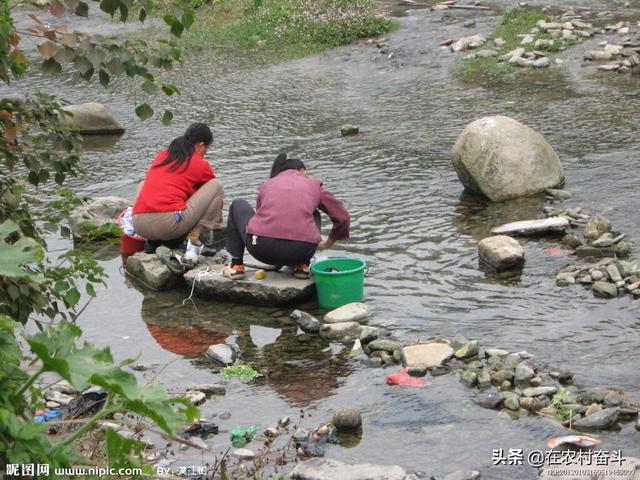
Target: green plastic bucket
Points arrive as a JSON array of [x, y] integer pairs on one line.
[[339, 281]]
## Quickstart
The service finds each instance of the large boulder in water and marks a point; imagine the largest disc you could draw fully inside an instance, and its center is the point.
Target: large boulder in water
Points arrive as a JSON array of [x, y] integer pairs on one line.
[[503, 159], [97, 216], [91, 119]]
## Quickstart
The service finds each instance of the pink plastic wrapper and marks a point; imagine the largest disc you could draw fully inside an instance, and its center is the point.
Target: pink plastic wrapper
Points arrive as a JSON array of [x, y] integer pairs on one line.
[[579, 440], [403, 378]]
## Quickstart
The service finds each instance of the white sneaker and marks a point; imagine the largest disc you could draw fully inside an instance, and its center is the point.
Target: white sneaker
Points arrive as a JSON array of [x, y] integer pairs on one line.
[[192, 255]]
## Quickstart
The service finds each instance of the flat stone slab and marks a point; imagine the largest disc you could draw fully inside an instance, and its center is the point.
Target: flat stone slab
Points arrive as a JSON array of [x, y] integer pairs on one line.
[[533, 227], [277, 288], [426, 354], [327, 469]]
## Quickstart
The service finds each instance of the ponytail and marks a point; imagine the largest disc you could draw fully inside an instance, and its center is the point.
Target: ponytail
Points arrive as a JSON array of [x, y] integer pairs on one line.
[[181, 148], [282, 163]]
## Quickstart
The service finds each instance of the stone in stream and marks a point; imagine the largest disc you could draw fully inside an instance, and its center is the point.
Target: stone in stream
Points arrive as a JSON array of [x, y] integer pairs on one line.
[[91, 119], [622, 249], [613, 272], [501, 252], [589, 251], [533, 227], [495, 352], [57, 397], [604, 290], [196, 397], [511, 401], [151, 272], [244, 453], [491, 401], [596, 275], [558, 194], [368, 334], [328, 469], [524, 373], [539, 391], [348, 130], [605, 240], [307, 323], [278, 288], [541, 62], [467, 43], [210, 388], [340, 331], [596, 226], [469, 350], [384, 344], [613, 399], [602, 420], [571, 241], [469, 378], [222, 353], [352, 312], [426, 354], [503, 159], [99, 212], [346, 419], [484, 380]]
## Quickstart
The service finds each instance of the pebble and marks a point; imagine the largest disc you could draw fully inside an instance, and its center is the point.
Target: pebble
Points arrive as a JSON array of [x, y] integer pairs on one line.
[[57, 397], [244, 453], [307, 323], [384, 344], [271, 432], [368, 334], [524, 373], [348, 130], [210, 388], [301, 435], [196, 397], [539, 391], [604, 289], [352, 312], [469, 350], [490, 401], [284, 421], [469, 378]]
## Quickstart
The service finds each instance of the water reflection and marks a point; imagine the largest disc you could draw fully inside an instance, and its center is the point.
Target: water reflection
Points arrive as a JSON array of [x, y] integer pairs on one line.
[[300, 368]]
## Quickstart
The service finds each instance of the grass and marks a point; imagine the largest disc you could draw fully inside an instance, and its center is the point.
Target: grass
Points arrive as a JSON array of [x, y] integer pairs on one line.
[[285, 29], [514, 22]]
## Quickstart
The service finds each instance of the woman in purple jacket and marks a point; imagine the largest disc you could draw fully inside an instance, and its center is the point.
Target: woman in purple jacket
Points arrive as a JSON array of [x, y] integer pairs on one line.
[[285, 228]]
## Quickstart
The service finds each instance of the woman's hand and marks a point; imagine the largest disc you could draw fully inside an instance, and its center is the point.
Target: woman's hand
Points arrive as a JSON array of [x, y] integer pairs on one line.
[[325, 244]]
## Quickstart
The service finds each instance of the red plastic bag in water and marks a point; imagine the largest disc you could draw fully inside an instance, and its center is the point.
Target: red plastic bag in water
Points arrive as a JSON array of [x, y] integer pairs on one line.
[[558, 252], [403, 378]]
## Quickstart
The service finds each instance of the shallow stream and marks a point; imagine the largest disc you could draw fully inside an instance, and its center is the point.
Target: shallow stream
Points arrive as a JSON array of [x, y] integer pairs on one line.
[[413, 225]]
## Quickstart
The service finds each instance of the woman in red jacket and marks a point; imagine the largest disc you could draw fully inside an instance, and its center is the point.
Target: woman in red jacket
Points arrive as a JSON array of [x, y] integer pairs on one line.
[[180, 195], [285, 228]]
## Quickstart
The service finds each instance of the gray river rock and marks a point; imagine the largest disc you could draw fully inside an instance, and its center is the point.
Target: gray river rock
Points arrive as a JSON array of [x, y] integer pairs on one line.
[[352, 312], [308, 323], [602, 420], [92, 119], [501, 252], [504, 159], [97, 213]]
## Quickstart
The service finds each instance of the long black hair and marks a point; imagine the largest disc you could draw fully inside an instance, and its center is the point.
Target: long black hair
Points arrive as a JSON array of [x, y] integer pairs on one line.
[[282, 163], [181, 148]]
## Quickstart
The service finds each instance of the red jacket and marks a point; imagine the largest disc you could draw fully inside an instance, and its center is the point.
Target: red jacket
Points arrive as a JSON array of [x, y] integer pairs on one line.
[[285, 207], [167, 191]]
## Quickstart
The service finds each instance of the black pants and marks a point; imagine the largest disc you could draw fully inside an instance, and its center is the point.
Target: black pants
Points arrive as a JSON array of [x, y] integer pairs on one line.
[[272, 251]]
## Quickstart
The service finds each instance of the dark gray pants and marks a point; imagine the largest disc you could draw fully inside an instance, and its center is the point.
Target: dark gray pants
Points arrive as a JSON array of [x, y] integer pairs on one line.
[[272, 251]]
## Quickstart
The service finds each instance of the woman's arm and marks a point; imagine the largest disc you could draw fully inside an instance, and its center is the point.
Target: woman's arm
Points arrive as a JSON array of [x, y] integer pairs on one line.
[[338, 214]]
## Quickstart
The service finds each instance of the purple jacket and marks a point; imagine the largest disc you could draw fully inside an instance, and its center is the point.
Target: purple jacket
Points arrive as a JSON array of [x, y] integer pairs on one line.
[[285, 207]]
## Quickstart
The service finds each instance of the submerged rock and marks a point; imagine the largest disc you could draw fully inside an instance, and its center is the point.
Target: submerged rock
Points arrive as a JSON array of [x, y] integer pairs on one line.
[[91, 119], [604, 289], [502, 159], [278, 288], [348, 130], [352, 312], [384, 344], [533, 227], [469, 350], [98, 213], [501, 252], [327, 469], [426, 354]]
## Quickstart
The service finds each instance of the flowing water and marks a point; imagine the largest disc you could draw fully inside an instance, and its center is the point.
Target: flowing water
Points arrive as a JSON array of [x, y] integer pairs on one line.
[[413, 225]]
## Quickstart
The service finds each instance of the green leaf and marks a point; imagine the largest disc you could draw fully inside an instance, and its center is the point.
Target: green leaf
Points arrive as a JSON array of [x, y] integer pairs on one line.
[[187, 19], [124, 12], [82, 10], [83, 65], [144, 111], [149, 87], [51, 67], [167, 118], [143, 15], [170, 20], [91, 291], [17, 250], [169, 90], [72, 297], [104, 78], [120, 449], [177, 29], [115, 66], [109, 6]]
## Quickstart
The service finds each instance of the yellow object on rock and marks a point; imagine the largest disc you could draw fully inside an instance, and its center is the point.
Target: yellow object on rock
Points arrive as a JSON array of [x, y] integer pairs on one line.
[[260, 274]]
